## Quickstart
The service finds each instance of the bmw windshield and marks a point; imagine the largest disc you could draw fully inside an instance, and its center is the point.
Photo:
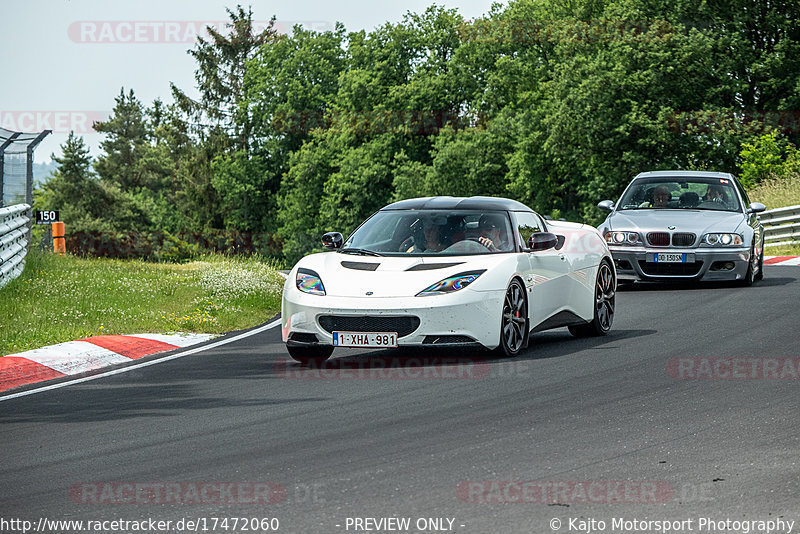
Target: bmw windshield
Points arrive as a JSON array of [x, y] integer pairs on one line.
[[717, 194], [432, 233]]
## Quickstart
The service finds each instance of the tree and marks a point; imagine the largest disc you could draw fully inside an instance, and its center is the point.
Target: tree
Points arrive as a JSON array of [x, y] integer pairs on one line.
[[222, 65], [74, 189]]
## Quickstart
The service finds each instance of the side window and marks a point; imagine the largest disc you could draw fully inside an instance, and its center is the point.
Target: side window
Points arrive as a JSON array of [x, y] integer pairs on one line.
[[743, 193], [528, 223]]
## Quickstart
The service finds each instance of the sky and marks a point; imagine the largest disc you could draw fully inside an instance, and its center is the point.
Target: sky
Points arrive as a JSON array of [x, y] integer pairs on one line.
[[64, 61]]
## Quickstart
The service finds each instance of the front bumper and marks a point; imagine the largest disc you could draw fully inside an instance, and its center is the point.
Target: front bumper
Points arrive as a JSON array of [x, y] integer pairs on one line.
[[709, 264], [467, 316]]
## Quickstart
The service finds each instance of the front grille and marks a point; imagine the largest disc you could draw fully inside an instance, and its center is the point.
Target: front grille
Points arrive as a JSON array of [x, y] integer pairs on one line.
[[670, 269], [681, 239], [658, 239], [403, 325]]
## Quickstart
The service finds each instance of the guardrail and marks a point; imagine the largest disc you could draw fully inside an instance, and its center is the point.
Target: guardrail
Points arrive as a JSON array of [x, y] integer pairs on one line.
[[14, 230], [781, 226]]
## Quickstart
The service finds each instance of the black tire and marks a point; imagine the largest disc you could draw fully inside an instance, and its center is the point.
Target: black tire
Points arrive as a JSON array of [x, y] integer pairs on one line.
[[604, 305], [749, 277], [313, 354], [760, 273], [513, 321]]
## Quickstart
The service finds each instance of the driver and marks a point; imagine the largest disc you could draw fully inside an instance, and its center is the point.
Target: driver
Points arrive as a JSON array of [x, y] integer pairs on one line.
[[714, 193], [492, 231]]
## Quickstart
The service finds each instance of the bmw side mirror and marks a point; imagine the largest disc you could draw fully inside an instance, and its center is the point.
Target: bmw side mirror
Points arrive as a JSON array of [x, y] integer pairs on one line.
[[607, 205], [542, 241], [332, 240], [756, 207]]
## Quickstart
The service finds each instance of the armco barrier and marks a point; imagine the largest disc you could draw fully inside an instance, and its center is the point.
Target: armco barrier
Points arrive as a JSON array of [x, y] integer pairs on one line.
[[14, 230], [781, 226]]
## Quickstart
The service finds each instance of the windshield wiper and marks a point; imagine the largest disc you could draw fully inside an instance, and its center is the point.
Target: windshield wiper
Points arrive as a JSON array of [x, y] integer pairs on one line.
[[359, 251]]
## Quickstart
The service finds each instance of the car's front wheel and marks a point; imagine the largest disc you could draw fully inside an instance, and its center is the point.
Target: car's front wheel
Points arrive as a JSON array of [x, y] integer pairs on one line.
[[750, 275], [760, 273], [514, 320], [604, 305], [313, 354]]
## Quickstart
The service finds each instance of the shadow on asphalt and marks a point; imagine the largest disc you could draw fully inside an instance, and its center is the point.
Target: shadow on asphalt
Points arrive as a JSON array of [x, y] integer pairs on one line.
[[118, 402], [693, 286]]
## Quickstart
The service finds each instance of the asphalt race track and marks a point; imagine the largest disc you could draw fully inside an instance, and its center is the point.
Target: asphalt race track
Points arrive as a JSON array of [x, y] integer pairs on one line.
[[602, 428]]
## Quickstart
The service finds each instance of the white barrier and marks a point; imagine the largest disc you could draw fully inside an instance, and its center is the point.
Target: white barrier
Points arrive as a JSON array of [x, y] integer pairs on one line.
[[14, 230]]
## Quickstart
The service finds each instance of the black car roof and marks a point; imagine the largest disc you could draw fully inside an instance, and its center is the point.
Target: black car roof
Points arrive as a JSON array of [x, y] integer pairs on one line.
[[458, 203]]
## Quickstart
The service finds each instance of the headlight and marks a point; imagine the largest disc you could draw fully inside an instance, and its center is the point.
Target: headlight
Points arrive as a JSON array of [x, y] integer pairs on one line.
[[723, 239], [622, 238], [452, 283], [309, 281]]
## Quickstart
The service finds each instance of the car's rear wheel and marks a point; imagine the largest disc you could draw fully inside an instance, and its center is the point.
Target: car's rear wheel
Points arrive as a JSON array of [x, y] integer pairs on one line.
[[604, 305], [514, 320], [314, 354]]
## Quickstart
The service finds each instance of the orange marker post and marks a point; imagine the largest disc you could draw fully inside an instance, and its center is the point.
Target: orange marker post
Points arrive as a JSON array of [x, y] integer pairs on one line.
[[59, 243]]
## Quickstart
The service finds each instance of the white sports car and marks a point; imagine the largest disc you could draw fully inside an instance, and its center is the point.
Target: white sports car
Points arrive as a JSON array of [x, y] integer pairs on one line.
[[444, 271]]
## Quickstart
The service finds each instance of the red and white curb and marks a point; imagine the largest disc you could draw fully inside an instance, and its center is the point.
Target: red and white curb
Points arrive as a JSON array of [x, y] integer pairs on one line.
[[86, 355], [781, 260]]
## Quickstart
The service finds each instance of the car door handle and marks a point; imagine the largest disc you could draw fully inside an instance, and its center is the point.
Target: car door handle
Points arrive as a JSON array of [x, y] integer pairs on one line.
[[563, 257]]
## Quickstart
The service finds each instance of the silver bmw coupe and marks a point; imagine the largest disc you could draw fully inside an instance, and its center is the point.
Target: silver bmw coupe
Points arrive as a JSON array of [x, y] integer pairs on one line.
[[690, 225]]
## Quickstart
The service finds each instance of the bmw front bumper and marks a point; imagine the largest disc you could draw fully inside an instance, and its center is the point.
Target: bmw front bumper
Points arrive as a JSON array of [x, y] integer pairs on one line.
[[709, 264]]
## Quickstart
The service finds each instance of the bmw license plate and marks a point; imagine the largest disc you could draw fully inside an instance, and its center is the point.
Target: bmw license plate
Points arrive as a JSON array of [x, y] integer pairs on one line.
[[668, 257], [365, 339]]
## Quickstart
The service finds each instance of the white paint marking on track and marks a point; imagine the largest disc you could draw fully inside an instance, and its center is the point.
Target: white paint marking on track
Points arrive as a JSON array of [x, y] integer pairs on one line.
[[179, 340], [121, 370], [73, 357]]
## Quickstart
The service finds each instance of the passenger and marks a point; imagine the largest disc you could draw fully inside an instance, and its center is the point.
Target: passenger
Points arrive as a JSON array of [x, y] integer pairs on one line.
[[434, 241], [661, 198]]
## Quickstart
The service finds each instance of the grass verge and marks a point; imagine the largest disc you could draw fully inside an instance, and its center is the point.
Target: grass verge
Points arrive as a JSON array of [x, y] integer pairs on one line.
[[59, 299], [779, 193]]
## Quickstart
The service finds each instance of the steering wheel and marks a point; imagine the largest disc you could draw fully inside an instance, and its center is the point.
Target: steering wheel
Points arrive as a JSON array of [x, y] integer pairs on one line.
[[406, 244], [478, 241]]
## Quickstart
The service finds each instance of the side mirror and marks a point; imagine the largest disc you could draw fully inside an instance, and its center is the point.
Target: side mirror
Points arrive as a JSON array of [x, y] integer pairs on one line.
[[332, 240], [607, 205], [542, 241], [756, 207]]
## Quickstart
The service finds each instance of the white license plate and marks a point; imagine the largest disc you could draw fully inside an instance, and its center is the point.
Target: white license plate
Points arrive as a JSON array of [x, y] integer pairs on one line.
[[365, 339], [666, 257]]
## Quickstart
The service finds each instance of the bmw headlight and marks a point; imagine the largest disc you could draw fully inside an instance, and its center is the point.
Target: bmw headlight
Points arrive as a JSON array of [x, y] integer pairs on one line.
[[451, 283], [309, 281], [723, 240], [622, 238]]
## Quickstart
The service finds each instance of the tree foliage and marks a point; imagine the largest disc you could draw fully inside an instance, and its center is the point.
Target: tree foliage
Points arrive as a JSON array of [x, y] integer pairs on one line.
[[556, 104]]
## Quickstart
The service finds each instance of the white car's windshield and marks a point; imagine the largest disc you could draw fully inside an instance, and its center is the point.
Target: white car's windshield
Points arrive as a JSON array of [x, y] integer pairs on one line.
[[690, 193], [432, 232]]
